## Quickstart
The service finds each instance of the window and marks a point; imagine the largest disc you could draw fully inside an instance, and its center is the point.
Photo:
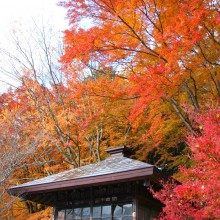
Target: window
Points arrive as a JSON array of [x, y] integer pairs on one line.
[[122, 212], [103, 212], [77, 214], [96, 213], [106, 212], [86, 213], [61, 214], [69, 214]]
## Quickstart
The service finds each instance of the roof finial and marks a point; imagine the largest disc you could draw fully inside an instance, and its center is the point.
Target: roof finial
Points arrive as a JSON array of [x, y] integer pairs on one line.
[[120, 151]]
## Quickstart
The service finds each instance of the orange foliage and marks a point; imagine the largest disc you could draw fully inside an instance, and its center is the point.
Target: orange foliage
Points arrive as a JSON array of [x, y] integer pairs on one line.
[[166, 51], [130, 78]]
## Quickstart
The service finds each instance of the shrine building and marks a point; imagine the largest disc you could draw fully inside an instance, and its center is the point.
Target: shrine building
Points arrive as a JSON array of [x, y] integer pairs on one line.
[[116, 188]]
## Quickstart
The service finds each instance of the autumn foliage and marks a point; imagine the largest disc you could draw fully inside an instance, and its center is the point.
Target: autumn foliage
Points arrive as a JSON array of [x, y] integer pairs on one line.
[[198, 196], [141, 73], [168, 51]]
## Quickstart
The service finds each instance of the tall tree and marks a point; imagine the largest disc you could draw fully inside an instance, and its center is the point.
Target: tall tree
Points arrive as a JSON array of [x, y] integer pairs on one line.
[[167, 50], [198, 196], [74, 124], [18, 141]]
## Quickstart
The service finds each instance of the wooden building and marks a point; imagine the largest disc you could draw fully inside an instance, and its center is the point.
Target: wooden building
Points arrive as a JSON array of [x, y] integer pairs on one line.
[[114, 189]]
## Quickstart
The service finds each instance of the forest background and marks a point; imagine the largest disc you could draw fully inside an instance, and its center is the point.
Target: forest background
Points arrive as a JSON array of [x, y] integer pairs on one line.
[[141, 73]]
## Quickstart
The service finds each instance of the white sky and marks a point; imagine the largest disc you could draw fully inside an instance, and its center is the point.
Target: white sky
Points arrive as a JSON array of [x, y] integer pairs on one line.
[[21, 13]]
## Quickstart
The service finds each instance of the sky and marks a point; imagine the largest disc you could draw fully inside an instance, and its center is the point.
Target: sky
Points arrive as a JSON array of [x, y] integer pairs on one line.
[[21, 13]]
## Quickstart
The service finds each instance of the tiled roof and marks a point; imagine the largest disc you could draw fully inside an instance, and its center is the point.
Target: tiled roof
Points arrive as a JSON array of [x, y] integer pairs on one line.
[[111, 165]]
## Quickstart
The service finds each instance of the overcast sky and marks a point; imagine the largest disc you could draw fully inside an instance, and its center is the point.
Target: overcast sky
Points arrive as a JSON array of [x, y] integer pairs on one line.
[[21, 13]]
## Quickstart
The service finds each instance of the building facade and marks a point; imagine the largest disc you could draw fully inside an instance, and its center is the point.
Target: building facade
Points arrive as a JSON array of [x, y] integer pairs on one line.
[[114, 189]]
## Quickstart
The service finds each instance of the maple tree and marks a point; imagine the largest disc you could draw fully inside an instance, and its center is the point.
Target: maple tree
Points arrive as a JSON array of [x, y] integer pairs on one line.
[[72, 126], [198, 196], [23, 116], [167, 50], [18, 142], [133, 76]]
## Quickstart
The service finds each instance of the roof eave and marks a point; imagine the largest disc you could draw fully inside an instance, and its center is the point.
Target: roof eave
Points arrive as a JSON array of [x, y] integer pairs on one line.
[[130, 175]]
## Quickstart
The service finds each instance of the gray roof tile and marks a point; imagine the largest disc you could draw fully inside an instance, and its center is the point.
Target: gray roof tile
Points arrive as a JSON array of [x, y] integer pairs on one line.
[[109, 166]]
